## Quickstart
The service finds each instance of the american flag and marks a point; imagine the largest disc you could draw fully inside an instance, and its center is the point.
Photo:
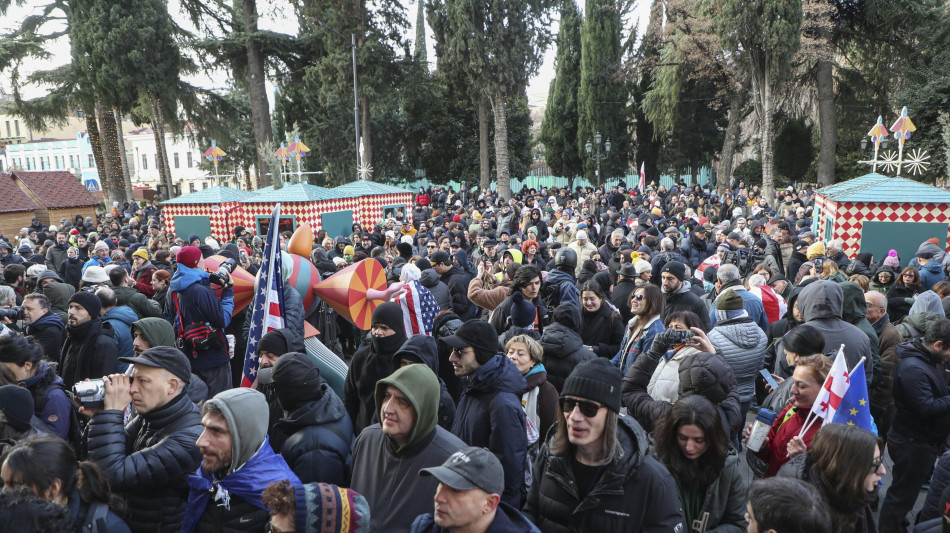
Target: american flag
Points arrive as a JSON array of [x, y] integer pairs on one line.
[[267, 309], [419, 309]]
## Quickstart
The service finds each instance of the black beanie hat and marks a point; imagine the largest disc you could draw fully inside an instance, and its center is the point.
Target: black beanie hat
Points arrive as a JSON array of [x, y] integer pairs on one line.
[[598, 380], [389, 313], [677, 269], [523, 312], [89, 301], [274, 342], [16, 403], [297, 380]]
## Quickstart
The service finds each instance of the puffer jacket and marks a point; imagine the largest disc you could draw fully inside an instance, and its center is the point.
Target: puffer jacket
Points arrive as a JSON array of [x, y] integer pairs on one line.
[[602, 330], [149, 460], [430, 280], [742, 343], [199, 304], [724, 508], [121, 319], [665, 382], [820, 304], [633, 493], [920, 395], [914, 326], [315, 440], [490, 415], [563, 350], [930, 274], [938, 483], [701, 373]]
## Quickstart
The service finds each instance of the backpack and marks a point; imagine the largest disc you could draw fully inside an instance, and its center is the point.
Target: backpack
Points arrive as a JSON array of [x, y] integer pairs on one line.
[[551, 294], [75, 428]]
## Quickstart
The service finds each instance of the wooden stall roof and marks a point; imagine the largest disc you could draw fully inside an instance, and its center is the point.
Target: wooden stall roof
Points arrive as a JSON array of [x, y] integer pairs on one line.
[[213, 195], [880, 188], [57, 189], [12, 198]]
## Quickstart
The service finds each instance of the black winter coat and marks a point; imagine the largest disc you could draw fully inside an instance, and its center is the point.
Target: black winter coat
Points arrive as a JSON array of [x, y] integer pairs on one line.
[[563, 350], [457, 280], [685, 300], [633, 493], [240, 517], [366, 368], [794, 264], [602, 330], [620, 297], [921, 396], [315, 440], [499, 317], [149, 461]]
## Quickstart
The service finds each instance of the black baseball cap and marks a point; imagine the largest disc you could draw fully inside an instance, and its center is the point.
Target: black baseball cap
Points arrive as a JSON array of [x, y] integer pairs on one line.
[[470, 468], [439, 257], [171, 359], [478, 334]]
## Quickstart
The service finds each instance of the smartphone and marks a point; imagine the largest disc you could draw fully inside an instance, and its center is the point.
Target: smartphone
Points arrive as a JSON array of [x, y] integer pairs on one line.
[[769, 379]]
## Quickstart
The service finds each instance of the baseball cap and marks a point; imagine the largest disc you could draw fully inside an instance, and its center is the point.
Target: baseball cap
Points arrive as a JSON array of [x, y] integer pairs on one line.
[[165, 357], [470, 468], [478, 334], [439, 257]]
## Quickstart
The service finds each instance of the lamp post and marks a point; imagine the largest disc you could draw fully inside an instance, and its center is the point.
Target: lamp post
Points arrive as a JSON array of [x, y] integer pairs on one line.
[[597, 156], [356, 92]]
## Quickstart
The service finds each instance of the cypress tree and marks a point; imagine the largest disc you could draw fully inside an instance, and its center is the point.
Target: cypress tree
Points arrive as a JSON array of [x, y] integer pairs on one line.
[[559, 129], [419, 53], [602, 98]]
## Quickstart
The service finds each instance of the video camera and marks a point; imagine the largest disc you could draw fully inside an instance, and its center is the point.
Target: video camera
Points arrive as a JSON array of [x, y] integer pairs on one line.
[[745, 259], [92, 393]]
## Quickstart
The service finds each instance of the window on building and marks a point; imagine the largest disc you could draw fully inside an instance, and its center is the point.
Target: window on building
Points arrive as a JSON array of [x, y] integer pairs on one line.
[[190, 164], [144, 162], [16, 124], [192, 186], [156, 161], [8, 129], [176, 160], [42, 163], [92, 161], [204, 184]]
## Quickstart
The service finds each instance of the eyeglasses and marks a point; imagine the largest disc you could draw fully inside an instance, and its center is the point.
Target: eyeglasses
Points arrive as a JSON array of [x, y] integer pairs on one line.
[[876, 465], [588, 409], [637, 297], [430, 246]]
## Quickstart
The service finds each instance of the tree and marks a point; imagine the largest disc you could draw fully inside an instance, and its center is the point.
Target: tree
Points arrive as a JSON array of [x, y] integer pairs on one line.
[[602, 97], [256, 78], [559, 128], [498, 45], [763, 36], [419, 52], [794, 152]]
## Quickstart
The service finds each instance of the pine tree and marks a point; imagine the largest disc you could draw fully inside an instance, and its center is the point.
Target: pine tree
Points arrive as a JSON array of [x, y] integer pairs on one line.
[[559, 128], [603, 95], [419, 53]]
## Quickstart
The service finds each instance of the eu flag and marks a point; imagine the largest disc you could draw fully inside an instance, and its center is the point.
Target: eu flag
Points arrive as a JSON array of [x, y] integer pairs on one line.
[[855, 409]]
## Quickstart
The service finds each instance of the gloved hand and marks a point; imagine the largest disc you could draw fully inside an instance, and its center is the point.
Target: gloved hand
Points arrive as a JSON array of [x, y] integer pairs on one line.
[[662, 343]]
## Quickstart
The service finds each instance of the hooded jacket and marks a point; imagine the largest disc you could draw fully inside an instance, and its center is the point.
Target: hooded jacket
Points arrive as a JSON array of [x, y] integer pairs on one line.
[[48, 332], [563, 347], [430, 280], [632, 493], [121, 319], [57, 292], [499, 317], [742, 344], [930, 274], [854, 311], [89, 351], [199, 304], [750, 302], [316, 434], [233, 501], [490, 415], [921, 395], [820, 304], [371, 363], [423, 349], [387, 474], [456, 280], [149, 460], [876, 284]]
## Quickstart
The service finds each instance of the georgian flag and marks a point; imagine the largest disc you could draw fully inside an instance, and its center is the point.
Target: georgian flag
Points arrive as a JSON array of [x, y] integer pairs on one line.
[[835, 387]]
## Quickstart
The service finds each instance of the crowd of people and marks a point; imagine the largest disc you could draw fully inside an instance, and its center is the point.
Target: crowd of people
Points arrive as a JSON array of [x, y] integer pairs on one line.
[[589, 363]]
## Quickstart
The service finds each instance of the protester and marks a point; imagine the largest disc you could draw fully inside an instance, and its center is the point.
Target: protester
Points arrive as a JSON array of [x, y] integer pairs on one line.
[[539, 399], [315, 508], [25, 358], [601, 326], [786, 505], [90, 349], [372, 362], [646, 305]]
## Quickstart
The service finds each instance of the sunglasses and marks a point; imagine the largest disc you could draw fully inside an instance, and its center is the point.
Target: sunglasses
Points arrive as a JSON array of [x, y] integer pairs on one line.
[[588, 409], [430, 246], [636, 297]]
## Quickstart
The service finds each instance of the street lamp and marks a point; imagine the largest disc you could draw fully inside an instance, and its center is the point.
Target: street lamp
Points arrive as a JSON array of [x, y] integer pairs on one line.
[[597, 156], [356, 93]]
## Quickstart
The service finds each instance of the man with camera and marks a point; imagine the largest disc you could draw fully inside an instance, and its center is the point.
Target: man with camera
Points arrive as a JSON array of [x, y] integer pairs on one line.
[[150, 459], [199, 318]]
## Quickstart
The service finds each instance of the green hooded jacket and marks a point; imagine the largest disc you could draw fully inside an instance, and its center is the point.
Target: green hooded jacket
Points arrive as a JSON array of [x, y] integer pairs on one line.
[[422, 389], [854, 308]]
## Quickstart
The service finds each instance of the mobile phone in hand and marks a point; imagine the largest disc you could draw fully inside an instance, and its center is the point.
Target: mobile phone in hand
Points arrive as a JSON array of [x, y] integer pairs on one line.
[[769, 379]]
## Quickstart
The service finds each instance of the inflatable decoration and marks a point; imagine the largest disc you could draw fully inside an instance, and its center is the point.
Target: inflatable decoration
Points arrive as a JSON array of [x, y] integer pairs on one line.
[[355, 291], [332, 368], [301, 242]]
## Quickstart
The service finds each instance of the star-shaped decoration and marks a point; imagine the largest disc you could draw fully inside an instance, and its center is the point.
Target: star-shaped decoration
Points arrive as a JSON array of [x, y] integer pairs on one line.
[[863, 402], [851, 424], [853, 411]]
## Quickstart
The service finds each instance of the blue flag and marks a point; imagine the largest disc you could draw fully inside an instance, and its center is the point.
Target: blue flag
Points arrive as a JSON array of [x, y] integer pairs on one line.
[[855, 408]]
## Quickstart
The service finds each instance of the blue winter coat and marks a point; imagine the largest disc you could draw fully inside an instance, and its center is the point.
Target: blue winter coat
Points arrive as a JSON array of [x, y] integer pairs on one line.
[[199, 304], [634, 348], [696, 252], [930, 275], [490, 415], [95, 260], [315, 440], [121, 318]]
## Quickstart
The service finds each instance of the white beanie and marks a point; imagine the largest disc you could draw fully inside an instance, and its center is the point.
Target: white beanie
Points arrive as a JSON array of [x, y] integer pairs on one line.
[[643, 266], [101, 245], [406, 239], [582, 235]]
